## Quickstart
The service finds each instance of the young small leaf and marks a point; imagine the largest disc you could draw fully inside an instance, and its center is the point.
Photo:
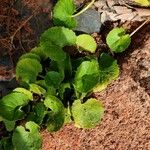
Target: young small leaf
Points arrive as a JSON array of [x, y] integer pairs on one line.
[[37, 89], [88, 114], [109, 71], [10, 106], [62, 14], [56, 115], [27, 138], [86, 42], [117, 40], [27, 69]]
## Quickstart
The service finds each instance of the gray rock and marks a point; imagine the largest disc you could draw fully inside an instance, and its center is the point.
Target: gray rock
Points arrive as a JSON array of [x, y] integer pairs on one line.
[[89, 21]]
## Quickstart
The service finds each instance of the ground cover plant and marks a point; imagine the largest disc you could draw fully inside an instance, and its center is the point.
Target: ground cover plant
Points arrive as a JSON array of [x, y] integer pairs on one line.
[[55, 88]]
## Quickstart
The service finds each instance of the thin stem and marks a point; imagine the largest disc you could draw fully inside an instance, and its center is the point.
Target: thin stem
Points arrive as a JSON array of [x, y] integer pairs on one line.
[[84, 9], [139, 27]]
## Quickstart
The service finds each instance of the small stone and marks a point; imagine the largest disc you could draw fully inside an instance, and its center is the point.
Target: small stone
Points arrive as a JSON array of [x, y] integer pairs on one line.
[[89, 21]]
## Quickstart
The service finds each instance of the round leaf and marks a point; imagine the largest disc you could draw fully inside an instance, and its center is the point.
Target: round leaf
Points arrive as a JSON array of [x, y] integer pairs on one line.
[[117, 40], [88, 114], [27, 69], [56, 115], [86, 42], [62, 14]]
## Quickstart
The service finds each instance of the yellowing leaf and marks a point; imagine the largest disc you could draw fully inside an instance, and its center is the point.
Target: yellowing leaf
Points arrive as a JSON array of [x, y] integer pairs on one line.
[[88, 114], [143, 2], [86, 42]]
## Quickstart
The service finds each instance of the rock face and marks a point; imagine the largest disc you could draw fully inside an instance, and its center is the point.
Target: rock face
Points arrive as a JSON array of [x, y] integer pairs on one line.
[[126, 124]]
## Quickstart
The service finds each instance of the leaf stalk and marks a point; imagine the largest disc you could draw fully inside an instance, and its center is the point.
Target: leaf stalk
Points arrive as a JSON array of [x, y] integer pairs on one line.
[[84, 9]]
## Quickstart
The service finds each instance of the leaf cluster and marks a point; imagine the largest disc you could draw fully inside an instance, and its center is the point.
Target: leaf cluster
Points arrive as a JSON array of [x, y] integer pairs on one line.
[[54, 87]]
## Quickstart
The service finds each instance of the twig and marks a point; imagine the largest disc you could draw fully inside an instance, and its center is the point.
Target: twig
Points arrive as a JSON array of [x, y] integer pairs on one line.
[[139, 27], [23, 24]]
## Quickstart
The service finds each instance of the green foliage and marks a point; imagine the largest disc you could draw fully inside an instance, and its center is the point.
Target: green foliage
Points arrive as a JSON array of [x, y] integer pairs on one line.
[[56, 115], [39, 51], [10, 125], [10, 106], [24, 91], [88, 114], [58, 36], [117, 40], [53, 78], [62, 14], [86, 42], [26, 72], [38, 113], [27, 138], [37, 89], [31, 55], [6, 144], [108, 70], [87, 76], [51, 81]]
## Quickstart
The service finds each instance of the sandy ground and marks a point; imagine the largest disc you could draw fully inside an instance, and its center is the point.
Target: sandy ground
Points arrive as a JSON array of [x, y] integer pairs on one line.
[[126, 124]]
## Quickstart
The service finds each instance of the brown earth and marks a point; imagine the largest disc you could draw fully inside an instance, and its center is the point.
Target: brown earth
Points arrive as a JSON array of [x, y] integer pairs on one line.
[[126, 123]]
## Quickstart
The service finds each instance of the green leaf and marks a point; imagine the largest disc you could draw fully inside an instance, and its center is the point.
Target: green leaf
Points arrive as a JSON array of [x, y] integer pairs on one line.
[[67, 116], [10, 106], [27, 138], [63, 67], [10, 125], [27, 69], [53, 78], [37, 89], [30, 55], [62, 14], [49, 90], [88, 114], [109, 71], [6, 144], [86, 42], [38, 113], [117, 40], [39, 51], [64, 89], [56, 115], [58, 36], [24, 91], [143, 2], [87, 76], [54, 52]]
